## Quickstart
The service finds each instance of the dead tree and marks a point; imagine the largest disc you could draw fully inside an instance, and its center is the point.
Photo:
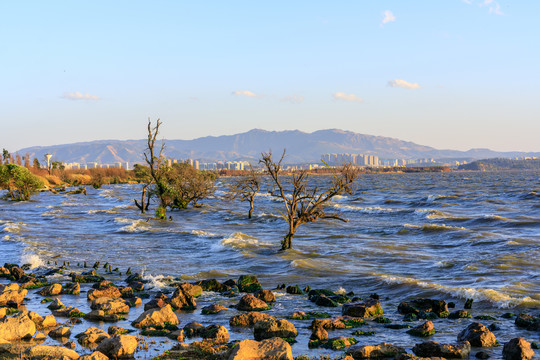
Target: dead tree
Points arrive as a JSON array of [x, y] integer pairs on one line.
[[304, 203], [246, 188]]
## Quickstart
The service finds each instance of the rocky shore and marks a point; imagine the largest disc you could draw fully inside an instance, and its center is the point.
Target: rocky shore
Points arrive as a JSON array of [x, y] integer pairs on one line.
[[96, 312]]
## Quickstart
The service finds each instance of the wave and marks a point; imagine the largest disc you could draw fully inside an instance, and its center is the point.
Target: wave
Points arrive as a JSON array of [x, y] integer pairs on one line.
[[240, 240], [202, 233], [436, 214], [33, 260], [154, 281], [134, 225], [498, 298], [432, 198], [14, 227], [434, 227], [370, 210]]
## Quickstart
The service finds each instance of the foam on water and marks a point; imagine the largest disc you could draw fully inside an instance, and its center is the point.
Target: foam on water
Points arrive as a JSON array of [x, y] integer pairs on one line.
[[33, 260], [240, 240], [154, 281], [13, 227], [202, 233], [134, 225]]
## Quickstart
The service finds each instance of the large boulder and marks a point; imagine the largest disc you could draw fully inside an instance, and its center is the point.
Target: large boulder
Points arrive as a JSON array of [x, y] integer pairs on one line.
[[110, 305], [266, 295], [119, 347], [448, 351], [92, 335], [51, 290], [96, 355], [417, 306], [193, 329], [368, 308], [38, 352], [183, 299], [383, 350], [60, 332], [270, 328], [100, 315], [517, 349], [72, 289], [156, 317], [249, 302], [17, 327], [478, 335], [213, 309], [11, 293], [191, 289], [216, 333], [69, 312], [249, 319], [56, 304], [275, 348], [528, 322], [110, 292], [424, 330]]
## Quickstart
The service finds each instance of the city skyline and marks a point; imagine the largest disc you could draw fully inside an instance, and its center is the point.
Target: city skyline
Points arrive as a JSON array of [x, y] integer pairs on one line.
[[458, 74]]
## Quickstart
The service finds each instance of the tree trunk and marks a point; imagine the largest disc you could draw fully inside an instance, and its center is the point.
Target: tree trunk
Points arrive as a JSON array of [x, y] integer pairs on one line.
[[287, 242], [250, 209]]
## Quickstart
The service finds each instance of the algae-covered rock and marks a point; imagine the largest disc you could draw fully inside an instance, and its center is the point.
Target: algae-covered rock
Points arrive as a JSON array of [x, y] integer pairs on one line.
[[270, 328], [248, 283]]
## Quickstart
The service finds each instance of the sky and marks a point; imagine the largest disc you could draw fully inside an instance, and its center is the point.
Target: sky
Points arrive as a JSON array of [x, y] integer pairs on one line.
[[452, 74]]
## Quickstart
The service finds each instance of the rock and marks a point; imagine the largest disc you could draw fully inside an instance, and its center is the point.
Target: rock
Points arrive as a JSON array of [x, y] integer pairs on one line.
[[448, 351], [48, 322], [177, 335], [39, 336], [110, 292], [3, 312], [275, 348], [383, 350], [51, 290], [136, 285], [11, 293], [49, 352], [481, 355], [340, 322], [92, 335], [468, 304], [212, 285], [266, 295], [61, 332], [193, 290], [248, 283], [460, 314], [249, 302], [96, 355], [155, 304], [182, 299], [294, 290], [17, 272], [100, 315], [249, 319], [424, 330], [110, 305], [56, 304], [72, 289], [193, 329], [217, 333], [157, 317], [270, 328], [4, 272], [127, 292], [416, 306], [339, 343], [116, 330], [35, 317], [319, 333], [369, 308], [70, 312], [17, 327], [322, 300], [213, 309], [528, 322], [91, 277], [517, 349], [119, 347], [478, 335]]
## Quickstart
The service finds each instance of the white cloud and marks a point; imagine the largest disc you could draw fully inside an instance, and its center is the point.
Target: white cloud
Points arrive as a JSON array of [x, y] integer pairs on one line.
[[245, 93], [496, 9], [79, 96], [388, 17], [493, 6], [403, 84], [294, 99], [347, 97]]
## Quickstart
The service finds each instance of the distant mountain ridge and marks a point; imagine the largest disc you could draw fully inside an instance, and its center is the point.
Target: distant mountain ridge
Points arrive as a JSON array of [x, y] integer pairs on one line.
[[301, 147]]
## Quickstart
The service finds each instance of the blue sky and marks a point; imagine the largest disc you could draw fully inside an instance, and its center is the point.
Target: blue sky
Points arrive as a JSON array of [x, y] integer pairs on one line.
[[452, 74]]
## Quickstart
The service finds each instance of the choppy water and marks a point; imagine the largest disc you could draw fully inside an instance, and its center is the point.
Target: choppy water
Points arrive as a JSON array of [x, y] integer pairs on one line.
[[449, 235]]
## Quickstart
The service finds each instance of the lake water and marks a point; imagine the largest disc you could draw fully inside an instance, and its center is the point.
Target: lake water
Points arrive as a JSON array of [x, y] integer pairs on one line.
[[443, 235]]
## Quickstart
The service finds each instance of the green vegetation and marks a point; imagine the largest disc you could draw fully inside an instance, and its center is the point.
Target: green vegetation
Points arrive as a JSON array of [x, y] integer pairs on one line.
[[502, 164], [19, 182]]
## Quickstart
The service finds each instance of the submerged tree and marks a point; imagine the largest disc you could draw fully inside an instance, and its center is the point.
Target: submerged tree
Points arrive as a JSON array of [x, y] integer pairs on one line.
[[246, 188], [305, 203], [19, 182], [142, 174]]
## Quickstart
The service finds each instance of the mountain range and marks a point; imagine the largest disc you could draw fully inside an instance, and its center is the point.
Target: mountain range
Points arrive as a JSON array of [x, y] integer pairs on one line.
[[301, 147]]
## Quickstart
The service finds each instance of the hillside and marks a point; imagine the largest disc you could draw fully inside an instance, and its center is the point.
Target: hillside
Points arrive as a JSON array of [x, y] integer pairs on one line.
[[301, 147]]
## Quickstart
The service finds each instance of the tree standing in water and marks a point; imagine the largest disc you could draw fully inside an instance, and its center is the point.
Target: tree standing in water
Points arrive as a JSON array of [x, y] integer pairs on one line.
[[246, 188], [304, 203]]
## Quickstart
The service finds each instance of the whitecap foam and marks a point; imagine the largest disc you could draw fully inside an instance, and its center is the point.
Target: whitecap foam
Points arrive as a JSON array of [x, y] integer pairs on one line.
[[498, 298], [240, 240], [368, 210], [33, 260], [13, 227], [202, 233], [134, 225], [154, 281]]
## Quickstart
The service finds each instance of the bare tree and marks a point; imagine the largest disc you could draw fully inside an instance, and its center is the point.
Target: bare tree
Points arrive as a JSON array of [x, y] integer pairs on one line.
[[246, 188], [155, 165], [143, 174], [304, 203]]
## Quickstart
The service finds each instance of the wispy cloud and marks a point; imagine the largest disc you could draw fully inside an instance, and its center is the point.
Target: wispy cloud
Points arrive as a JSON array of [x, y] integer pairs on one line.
[[294, 99], [79, 96], [245, 93], [493, 6], [398, 83], [347, 97], [388, 16]]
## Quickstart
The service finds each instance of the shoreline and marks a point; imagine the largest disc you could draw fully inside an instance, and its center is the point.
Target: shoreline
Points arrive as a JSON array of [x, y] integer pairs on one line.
[[296, 305]]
